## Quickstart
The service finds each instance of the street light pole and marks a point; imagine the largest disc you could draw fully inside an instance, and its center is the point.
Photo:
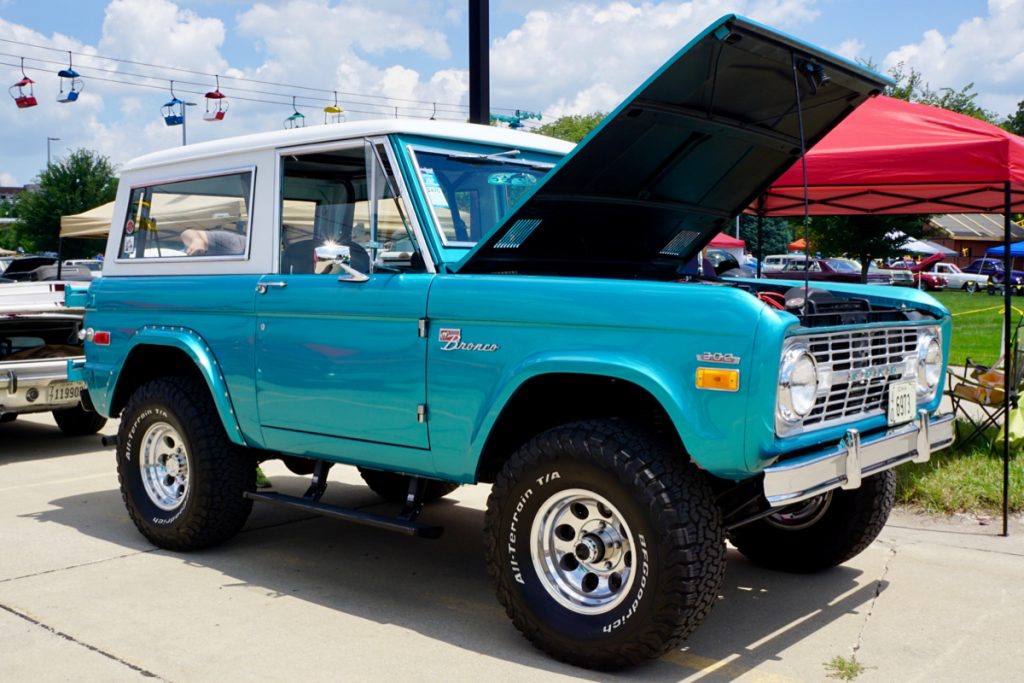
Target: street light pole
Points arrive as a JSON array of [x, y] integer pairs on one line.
[[184, 121], [48, 141]]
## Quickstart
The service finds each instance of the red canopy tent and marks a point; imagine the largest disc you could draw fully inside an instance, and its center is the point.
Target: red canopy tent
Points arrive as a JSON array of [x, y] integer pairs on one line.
[[891, 156], [797, 245], [895, 157], [723, 241]]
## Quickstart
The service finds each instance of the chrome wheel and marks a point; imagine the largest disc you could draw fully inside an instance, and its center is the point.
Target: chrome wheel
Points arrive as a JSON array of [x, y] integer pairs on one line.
[[165, 466], [582, 551], [802, 515]]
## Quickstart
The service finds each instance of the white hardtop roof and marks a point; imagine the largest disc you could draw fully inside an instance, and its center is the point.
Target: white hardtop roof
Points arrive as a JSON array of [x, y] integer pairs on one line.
[[337, 131]]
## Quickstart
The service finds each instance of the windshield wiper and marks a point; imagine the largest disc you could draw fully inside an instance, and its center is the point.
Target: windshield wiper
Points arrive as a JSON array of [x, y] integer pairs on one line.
[[499, 158], [495, 156]]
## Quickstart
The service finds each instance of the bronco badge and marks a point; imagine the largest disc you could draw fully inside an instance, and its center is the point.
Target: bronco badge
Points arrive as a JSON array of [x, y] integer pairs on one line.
[[451, 340]]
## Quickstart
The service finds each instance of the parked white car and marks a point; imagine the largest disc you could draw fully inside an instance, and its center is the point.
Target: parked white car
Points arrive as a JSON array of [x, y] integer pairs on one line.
[[957, 278], [781, 261]]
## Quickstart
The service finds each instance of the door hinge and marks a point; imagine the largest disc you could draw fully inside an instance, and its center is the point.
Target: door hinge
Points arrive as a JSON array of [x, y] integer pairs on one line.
[[421, 413], [423, 328]]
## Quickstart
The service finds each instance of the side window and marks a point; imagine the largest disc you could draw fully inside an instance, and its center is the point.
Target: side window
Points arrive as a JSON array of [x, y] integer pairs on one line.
[[194, 218], [341, 212]]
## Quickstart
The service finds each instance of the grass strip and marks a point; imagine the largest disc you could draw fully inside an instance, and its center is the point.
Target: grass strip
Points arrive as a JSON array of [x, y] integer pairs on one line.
[[962, 479]]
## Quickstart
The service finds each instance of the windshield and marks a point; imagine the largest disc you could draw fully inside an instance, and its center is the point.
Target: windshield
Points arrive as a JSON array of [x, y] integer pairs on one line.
[[469, 193], [843, 266]]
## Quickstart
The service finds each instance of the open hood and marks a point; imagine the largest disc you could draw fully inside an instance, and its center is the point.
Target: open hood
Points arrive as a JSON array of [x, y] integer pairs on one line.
[[925, 262], [669, 168]]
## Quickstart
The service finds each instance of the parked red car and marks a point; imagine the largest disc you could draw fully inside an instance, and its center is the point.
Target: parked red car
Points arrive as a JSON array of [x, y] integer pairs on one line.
[[922, 278]]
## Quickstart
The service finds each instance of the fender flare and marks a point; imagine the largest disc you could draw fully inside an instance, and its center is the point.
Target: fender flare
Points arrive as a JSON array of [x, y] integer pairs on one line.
[[631, 370], [195, 347]]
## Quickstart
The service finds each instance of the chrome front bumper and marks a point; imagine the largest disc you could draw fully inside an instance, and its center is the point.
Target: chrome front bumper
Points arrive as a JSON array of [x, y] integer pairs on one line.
[[855, 457]]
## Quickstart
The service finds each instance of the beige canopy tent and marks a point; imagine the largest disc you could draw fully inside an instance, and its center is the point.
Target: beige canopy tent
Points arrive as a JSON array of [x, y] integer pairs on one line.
[[205, 211]]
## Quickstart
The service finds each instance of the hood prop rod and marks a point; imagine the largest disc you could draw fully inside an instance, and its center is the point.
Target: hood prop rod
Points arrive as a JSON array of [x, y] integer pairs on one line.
[[803, 165]]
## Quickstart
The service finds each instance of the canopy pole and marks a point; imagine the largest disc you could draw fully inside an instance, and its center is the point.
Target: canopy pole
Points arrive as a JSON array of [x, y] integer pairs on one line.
[[760, 231], [1008, 360]]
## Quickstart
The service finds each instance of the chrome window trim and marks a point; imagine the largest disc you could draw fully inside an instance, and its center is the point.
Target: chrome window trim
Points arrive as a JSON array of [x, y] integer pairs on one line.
[[192, 259], [350, 143]]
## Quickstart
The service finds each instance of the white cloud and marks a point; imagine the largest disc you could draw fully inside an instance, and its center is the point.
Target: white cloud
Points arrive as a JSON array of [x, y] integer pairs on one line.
[[575, 58], [8, 180], [159, 32], [982, 50], [850, 48]]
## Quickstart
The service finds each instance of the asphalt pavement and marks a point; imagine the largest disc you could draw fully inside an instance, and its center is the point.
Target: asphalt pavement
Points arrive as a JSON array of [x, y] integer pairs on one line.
[[84, 597]]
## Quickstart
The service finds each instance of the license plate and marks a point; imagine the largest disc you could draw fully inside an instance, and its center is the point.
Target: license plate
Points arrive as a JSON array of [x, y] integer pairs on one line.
[[902, 402], [64, 391]]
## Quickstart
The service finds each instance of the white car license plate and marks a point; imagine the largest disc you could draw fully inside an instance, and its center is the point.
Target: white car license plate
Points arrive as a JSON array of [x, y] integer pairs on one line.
[[64, 391], [902, 402]]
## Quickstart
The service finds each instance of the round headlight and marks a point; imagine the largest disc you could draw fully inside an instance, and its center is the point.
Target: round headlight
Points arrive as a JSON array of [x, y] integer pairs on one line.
[[798, 384], [929, 363]]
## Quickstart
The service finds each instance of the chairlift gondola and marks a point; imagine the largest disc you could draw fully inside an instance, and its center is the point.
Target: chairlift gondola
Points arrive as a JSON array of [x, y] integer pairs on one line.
[[72, 80], [332, 112], [173, 110], [296, 120], [216, 104], [23, 99]]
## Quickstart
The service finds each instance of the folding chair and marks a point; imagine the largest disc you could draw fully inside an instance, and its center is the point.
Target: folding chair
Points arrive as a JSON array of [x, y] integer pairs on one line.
[[982, 388]]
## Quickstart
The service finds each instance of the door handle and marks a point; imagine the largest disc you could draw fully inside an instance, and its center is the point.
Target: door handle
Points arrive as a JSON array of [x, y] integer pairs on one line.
[[262, 287]]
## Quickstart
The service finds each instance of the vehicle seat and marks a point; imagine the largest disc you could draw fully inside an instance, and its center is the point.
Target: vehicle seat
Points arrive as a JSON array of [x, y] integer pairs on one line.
[[298, 258]]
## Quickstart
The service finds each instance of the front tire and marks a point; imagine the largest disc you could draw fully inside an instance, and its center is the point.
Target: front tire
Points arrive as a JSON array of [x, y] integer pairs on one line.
[[78, 421], [181, 479], [606, 547], [822, 532]]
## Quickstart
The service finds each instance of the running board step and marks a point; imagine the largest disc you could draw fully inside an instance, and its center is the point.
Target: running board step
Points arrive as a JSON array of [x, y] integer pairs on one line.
[[402, 526]]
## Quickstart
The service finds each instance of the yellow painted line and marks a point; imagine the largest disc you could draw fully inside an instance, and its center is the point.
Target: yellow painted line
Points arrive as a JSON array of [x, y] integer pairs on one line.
[[722, 667], [980, 310]]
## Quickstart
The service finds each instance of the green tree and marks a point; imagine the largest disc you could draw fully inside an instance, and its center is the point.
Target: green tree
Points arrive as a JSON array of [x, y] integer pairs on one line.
[[1015, 122], [777, 234], [81, 181], [911, 86], [865, 237], [572, 128]]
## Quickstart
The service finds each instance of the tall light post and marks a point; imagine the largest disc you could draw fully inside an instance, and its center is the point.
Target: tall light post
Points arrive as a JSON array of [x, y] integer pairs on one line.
[[184, 121], [48, 141]]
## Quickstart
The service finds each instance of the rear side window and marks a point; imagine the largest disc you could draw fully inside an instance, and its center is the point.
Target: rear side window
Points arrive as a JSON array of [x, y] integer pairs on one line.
[[195, 218]]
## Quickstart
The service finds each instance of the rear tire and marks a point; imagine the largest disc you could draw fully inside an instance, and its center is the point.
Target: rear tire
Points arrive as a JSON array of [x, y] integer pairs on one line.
[[394, 487], [606, 547], [971, 287], [822, 532], [182, 480], [78, 421]]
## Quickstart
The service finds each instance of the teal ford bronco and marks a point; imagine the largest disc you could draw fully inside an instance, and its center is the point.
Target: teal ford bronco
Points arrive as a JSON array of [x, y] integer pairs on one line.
[[441, 304]]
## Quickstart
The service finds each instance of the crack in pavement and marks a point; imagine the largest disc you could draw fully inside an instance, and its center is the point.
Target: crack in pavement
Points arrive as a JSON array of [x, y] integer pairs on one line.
[[72, 639], [76, 566], [893, 550]]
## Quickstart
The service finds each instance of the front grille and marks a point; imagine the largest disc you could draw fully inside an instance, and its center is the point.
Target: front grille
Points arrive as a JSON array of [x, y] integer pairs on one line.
[[859, 366]]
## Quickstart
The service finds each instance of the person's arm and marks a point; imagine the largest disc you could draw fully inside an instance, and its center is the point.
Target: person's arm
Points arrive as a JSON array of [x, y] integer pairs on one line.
[[196, 241]]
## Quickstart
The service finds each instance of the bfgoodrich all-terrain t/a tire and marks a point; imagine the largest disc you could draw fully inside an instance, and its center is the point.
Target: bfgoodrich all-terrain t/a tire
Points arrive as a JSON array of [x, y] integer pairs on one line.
[[821, 532], [607, 547], [181, 479]]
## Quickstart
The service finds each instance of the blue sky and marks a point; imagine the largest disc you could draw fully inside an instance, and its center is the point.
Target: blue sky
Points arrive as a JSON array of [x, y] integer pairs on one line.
[[558, 56]]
